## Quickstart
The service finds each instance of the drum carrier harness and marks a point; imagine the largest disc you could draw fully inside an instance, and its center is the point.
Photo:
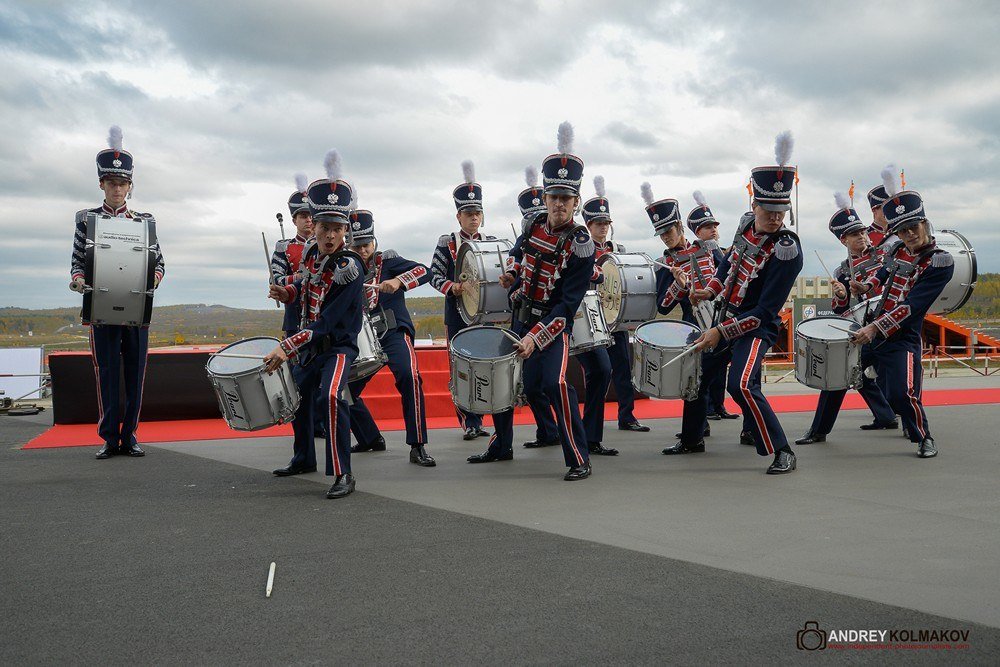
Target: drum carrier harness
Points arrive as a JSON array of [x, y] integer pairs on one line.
[[528, 311]]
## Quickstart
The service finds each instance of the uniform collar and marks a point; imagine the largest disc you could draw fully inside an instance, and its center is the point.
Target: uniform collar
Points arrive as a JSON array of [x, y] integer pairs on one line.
[[111, 211], [864, 253], [300, 239], [469, 237]]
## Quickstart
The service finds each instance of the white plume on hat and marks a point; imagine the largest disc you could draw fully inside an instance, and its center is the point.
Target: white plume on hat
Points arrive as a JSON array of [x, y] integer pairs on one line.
[[332, 164], [301, 182], [699, 198], [599, 186], [469, 171], [890, 179], [115, 138], [783, 145], [843, 201], [531, 176], [647, 193], [354, 198], [565, 137]]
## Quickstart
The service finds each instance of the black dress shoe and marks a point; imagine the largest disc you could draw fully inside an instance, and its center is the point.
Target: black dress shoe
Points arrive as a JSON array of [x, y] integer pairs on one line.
[[342, 486], [927, 449], [377, 445], [578, 472], [747, 439], [784, 462], [474, 432], [810, 437], [133, 450], [487, 457], [601, 450], [681, 448], [420, 456], [875, 426], [722, 414], [634, 426], [535, 444], [706, 433], [713, 416], [290, 470], [107, 451]]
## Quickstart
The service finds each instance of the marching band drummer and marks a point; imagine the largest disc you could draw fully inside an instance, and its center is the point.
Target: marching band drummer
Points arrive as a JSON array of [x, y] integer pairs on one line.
[[388, 277], [915, 273], [331, 296], [468, 198], [754, 279], [705, 255], [115, 348], [530, 203], [287, 255], [620, 355], [551, 265], [864, 260]]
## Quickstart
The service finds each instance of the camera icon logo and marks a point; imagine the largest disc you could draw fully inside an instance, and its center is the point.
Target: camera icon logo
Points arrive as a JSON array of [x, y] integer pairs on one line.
[[810, 637]]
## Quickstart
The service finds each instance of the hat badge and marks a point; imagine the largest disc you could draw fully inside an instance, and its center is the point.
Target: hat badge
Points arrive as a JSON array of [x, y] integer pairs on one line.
[[117, 163], [851, 218], [779, 186], [357, 225], [536, 201], [563, 173], [472, 195], [332, 198], [604, 209], [656, 217], [900, 209]]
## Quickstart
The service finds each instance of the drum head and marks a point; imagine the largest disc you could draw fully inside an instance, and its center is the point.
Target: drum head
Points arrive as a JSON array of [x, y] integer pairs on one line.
[[466, 263], [610, 290], [667, 333], [826, 327], [963, 280], [482, 343], [257, 347]]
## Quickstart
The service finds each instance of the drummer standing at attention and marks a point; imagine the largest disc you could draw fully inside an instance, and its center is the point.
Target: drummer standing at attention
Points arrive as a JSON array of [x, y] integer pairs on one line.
[[755, 279], [388, 277], [864, 260], [469, 201], [704, 256], [915, 273], [330, 295], [115, 348], [530, 203], [551, 265], [597, 215]]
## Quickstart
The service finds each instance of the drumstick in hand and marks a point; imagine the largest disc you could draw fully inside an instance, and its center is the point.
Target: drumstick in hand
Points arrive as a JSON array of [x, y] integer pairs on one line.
[[267, 261]]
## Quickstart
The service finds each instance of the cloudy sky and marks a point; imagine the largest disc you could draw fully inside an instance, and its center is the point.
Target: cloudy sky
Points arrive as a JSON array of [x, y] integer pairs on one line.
[[222, 102]]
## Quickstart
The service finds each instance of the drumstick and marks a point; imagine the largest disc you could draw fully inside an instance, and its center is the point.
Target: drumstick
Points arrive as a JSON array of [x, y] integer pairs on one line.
[[270, 580], [267, 261], [824, 264], [688, 350], [237, 356], [844, 329]]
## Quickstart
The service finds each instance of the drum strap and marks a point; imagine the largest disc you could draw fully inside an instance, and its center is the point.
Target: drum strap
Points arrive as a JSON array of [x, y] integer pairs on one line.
[[529, 311], [902, 268]]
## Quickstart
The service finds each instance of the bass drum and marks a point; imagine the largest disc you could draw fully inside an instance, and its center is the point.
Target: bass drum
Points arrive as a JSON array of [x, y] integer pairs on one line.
[[479, 265], [963, 281], [628, 292]]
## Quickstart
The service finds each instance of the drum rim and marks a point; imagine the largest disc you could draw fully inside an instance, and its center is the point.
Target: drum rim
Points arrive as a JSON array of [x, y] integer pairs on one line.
[[453, 351], [211, 357], [657, 346], [849, 320], [971, 251]]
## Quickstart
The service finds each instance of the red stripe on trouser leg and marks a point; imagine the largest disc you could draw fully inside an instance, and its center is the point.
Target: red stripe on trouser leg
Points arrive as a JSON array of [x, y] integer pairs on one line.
[[914, 397], [748, 395], [564, 400], [331, 408], [421, 426]]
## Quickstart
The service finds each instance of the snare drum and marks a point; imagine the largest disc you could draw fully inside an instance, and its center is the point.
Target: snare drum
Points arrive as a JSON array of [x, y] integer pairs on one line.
[[589, 329], [371, 357], [485, 370], [120, 264], [658, 342], [628, 293], [250, 398], [825, 357], [864, 310], [479, 265], [963, 281]]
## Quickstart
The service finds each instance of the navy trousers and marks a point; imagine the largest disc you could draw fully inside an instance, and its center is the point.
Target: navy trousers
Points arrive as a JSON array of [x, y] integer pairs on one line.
[[620, 356], [745, 388], [398, 347], [899, 361], [325, 376], [545, 380], [830, 401], [466, 419], [596, 366], [118, 352], [716, 396]]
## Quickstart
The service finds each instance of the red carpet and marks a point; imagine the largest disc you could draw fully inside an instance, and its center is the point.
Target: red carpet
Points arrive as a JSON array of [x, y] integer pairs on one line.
[[80, 435]]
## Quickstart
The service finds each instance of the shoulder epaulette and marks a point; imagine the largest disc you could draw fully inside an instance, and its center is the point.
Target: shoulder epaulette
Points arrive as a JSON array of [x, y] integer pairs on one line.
[[942, 257], [389, 254], [787, 245], [444, 240]]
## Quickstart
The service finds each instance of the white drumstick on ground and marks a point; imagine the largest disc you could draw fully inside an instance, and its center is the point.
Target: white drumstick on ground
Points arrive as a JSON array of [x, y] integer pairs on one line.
[[270, 581]]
